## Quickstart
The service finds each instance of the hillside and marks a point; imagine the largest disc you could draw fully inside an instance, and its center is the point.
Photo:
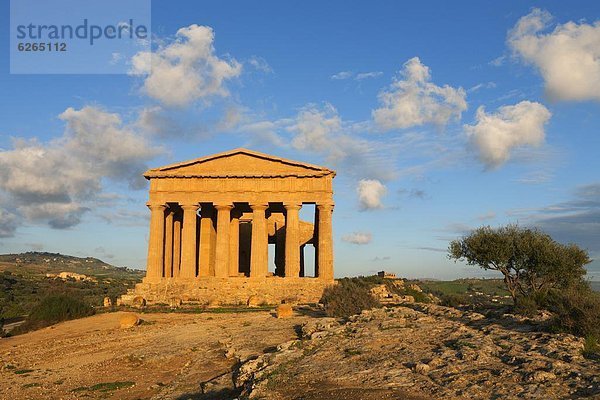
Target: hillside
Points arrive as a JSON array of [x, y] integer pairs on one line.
[[36, 263], [24, 280]]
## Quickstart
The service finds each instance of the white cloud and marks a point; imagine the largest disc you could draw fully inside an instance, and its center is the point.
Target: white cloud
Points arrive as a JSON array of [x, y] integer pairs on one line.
[[487, 85], [314, 128], [186, 69], [319, 130], [413, 100], [232, 118], [154, 121], [498, 61], [260, 64], [265, 132], [342, 75], [57, 182], [322, 131], [568, 58], [105, 145], [368, 75], [358, 238], [115, 58], [370, 192], [495, 135]]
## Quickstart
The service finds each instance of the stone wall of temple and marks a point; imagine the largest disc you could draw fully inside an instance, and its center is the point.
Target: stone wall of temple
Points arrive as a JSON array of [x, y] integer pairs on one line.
[[230, 291]]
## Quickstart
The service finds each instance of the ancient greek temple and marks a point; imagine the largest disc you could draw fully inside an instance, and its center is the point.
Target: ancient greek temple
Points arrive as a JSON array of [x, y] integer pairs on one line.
[[213, 218]]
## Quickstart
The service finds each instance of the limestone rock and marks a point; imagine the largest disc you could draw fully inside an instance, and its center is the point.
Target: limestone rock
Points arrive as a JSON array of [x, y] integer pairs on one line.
[[175, 302], [313, 327], [129, 320], [405, 299], [422, 368], [214, 303], [380, 292], [467, 355], [399, 283], [107, 302], [254, 301], [138, 301], [416, 288], [541, 376], [284, 311], [393, 323]]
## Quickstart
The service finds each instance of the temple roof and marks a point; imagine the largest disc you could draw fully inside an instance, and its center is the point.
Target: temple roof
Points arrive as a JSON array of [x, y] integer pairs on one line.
[[238, 163]]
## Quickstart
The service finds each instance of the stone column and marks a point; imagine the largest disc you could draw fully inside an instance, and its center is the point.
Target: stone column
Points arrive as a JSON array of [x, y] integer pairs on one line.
[[207, 241], [234, 245], [325, 241], [222, 244], [156, 240], [292, 240], [259, 252], [176, 245], [188, 241], [169, 243]]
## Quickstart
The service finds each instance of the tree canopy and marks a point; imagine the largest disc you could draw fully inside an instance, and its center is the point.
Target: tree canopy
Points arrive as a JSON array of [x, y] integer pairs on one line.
[[530, 260]]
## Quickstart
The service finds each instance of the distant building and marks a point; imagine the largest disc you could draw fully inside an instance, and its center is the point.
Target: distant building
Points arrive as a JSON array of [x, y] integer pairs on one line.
[[389, 275], [71, 275]]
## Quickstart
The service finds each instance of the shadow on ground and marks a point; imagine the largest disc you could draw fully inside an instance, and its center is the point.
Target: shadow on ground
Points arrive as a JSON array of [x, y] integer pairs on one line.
[[222, 394]]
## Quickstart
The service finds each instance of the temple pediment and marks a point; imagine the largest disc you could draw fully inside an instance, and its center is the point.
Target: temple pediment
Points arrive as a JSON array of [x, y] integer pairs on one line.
[[239, 163]]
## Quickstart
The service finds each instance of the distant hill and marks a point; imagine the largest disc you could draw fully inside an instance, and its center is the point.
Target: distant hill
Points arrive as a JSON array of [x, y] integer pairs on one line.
[[35, 262], [24, 280]]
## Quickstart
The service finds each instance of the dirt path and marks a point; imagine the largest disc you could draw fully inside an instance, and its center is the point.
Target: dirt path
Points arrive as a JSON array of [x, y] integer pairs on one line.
[[167, 357]]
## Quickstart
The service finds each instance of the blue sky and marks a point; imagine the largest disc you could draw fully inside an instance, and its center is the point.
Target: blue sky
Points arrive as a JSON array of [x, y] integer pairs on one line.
[[439, 117]]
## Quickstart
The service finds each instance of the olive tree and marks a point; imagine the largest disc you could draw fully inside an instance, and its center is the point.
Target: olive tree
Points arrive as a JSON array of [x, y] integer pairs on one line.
[[529, 259]]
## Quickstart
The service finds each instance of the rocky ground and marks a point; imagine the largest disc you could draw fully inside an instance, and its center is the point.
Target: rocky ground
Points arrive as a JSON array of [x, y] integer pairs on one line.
[[413, 351], [169, 356], [423, 352]]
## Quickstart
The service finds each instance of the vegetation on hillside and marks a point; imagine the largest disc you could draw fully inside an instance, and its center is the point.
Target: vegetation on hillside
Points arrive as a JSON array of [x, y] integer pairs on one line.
[[36, 263], [23, 281], [353, 295], [349, 297], [53, 309], [477, 293]]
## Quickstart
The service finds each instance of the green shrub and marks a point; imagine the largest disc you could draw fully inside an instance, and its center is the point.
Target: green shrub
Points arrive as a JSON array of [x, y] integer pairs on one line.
[[419, 297], [454, 300], [54, 309], [577, 310], [527, 306], [591, 348], [349, 297]]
